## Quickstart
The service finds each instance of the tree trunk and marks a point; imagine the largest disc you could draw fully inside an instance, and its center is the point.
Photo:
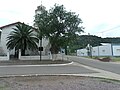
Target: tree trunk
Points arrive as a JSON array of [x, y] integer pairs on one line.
[[16, 53], [66, 51], [23, 49], [54, 51], [54, 57]]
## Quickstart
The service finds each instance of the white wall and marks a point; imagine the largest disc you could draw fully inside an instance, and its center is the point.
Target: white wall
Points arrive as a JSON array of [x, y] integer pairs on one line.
[[116, 50], [95, 51], [4, 58], [5, 32], [59, 57], [105, 50], [46, 46], [82, 52], [33, 57]]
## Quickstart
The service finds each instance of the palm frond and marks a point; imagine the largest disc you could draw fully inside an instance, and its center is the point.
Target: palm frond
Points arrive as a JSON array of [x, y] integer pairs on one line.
[[22, 37]]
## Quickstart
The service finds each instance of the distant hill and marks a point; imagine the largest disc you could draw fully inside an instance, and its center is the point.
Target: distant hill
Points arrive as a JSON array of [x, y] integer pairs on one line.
[[111, 40], [93, 40]]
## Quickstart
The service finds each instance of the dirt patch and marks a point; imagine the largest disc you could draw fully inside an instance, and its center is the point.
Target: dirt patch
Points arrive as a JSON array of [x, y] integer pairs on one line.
[[57, 83], [32, 62], [104, 59]]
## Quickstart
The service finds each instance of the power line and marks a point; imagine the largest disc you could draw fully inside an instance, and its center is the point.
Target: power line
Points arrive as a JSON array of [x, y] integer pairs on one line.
[[109, 29]]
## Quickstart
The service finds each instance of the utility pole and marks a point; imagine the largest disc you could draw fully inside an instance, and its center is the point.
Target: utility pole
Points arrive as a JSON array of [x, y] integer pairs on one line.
[[40, 9]]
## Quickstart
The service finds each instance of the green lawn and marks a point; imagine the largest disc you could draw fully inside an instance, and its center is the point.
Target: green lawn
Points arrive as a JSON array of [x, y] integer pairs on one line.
[[116, 59], [3, 87], [113, 59]]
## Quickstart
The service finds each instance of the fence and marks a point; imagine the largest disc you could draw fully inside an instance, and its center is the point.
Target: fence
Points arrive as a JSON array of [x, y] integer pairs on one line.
[[47, 57]]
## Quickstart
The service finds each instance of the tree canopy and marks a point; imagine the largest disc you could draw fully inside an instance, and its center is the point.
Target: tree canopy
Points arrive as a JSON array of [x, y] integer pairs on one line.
[[83, 40], [111, 40], [59, 26], [93, 40]]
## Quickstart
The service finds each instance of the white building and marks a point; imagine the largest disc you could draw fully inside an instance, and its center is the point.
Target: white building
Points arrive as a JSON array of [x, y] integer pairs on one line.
[[4, 32], [7, 29], [106, 49]]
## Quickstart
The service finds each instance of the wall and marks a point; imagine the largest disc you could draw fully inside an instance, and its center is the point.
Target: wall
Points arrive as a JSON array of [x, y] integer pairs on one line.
[[5, 32], [116, 50], [95, 51], [33, 57], [105, 50], [82, 52], [4, 58], [45, 45]]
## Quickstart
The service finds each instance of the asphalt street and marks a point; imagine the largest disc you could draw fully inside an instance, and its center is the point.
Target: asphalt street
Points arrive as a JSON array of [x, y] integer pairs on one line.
[[107, 66], [23, 70], [65, 69]]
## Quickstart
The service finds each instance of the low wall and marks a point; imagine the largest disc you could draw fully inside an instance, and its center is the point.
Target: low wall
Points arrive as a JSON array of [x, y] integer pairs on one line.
[[33, 57], [5, 58], [59, 57], [53, 56]]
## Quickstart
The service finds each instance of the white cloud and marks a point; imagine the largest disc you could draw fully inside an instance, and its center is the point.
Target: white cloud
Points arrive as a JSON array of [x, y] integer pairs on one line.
[[94, 13]]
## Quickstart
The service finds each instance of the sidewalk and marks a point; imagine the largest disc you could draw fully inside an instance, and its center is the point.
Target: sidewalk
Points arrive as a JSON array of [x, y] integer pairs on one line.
[[102, 73]]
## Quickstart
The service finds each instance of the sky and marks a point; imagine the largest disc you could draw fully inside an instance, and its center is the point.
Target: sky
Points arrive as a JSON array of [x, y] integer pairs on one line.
[[100, 17]]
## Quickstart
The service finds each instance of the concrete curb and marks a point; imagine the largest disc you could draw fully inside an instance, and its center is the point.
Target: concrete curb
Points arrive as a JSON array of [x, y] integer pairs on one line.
[[77, 75], [38, 65]]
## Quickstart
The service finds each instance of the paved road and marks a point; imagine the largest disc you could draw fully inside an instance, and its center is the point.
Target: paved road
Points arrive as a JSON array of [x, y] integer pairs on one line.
[[25, 70], [67, 69], [115, 68]]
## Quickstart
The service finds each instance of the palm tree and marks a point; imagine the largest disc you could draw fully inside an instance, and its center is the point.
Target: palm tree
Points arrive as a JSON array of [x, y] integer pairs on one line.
[[22, 38]]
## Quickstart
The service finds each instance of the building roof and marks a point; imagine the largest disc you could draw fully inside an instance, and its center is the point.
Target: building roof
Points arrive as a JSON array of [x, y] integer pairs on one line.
[[13, 24], [9, 25]]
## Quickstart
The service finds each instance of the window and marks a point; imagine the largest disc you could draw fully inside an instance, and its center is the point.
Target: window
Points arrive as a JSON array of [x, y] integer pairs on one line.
[[103, 50], [118, 50]]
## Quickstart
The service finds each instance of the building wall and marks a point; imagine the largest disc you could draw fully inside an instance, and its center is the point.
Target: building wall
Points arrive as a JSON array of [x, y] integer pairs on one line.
[[82, 52], [46, 46], [105, 50], [116, 50], [95, 51], [6, 31]]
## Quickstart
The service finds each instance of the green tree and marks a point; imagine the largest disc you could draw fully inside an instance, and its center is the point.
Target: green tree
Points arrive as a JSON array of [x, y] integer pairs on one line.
[[22, 38], [41, 21], [59, 26], [93, 40], [111, 40]]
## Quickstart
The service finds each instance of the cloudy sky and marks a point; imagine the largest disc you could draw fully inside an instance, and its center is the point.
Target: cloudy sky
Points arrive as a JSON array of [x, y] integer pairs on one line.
[[100, 17]]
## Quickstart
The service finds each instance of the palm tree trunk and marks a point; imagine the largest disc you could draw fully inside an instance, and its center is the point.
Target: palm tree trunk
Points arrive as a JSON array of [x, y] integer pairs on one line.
[[24, 48]]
